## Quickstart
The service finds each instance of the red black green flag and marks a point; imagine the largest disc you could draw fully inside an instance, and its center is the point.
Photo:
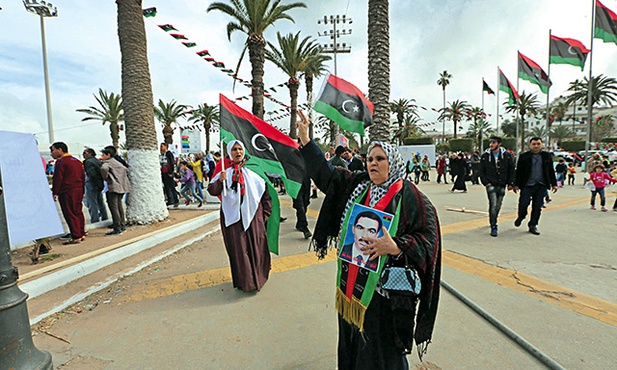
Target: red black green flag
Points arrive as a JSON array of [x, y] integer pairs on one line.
[[167, 27], [567, 51], [605, 27], [178, 36], [150, 12], [506, 86], [532, 72], [344, 104], [486, 88]]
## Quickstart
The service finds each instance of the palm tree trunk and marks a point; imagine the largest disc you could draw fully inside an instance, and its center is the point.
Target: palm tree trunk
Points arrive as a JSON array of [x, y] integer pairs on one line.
[[115, 133], [207, 138], [146, 201], [293, 94], [379, 67], [522, 133], [308, 79], [443, 120], [256, 46]]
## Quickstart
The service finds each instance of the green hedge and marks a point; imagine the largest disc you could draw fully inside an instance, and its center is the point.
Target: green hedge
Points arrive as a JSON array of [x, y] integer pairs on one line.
[[572, 145], [610, 140], [442, 148], [461, 145], [506, 142], [418, 141]]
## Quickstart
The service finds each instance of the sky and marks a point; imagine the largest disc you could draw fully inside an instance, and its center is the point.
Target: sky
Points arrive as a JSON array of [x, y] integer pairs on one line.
[[468, 38]]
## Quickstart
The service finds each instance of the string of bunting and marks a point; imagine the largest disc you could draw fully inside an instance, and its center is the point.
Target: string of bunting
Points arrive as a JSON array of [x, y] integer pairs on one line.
[[205, 54]]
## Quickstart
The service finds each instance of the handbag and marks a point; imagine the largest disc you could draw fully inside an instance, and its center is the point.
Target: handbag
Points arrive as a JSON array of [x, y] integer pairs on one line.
[[400, 279]]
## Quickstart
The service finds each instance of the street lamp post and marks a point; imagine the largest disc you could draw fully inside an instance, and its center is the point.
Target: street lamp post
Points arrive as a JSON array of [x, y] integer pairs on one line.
[[17, 351], [44, 10]]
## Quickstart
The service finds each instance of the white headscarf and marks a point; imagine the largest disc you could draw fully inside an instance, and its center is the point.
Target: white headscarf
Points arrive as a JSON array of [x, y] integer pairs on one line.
[[234, 206]]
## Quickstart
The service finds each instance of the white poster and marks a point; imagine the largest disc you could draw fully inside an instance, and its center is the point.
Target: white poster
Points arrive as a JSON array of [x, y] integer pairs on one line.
[[30, 208], [191, 141], [409, 151]]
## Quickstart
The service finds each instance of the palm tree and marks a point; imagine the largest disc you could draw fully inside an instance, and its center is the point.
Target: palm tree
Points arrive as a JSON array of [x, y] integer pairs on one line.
[[146, 200], [456, 112], [168, 114], [409, 128], [401, 108], [209, 116], [379, 68], [561, 132], [329, 128], [109, 110], [253, 17], [558, 113], [538, 131], [527, 105], [315, 67], [603, 90], [479, 128], [602, 127], [443, 81], [292, 57]]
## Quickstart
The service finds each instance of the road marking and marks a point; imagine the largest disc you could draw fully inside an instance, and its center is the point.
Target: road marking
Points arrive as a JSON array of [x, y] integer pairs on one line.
[[587, 305]]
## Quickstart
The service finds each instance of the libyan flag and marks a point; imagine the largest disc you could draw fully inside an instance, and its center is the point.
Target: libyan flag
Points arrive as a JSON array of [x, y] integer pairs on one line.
[[606, 24], [532, 72], [270, 152], [506, 86], [344, 104], [567, 51], [486, 88]]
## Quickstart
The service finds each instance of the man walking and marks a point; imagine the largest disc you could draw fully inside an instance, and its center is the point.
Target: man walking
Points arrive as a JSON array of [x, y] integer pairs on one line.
[[167, 174], [94, 187], [68, 188], [496, 171], [534, 176], [116, 175]]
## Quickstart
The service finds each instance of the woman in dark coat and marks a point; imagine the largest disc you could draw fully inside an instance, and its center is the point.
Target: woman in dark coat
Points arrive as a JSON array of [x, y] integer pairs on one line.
[[245, 207], [377, 327], [459, 168]]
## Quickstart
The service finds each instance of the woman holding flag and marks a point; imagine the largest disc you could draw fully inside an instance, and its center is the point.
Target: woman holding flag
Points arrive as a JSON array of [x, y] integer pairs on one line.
[[245, 207], [377, 327]]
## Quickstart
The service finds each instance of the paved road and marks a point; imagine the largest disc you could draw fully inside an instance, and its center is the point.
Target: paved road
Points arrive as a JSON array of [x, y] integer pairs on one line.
[[557, 290]]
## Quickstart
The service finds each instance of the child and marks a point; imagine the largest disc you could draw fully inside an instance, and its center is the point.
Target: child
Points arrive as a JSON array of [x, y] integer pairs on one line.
[[599, 179], [417, 171], [571, 172], [188, 181]]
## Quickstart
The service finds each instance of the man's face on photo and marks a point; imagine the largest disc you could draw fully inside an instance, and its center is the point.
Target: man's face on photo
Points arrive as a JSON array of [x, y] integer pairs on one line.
[[364, 228]]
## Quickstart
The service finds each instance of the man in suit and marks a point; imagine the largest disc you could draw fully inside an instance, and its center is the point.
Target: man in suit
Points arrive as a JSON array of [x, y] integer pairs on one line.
[[535, 174], [366, 224]]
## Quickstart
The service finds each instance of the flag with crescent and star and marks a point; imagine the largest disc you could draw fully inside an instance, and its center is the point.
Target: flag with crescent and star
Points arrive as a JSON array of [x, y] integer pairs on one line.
[[344, 104], [567, 51], [532, 72]]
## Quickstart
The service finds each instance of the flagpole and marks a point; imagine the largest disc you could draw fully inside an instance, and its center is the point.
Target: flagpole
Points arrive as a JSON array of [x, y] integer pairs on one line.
[[589, 86], [548, 90], [223, 167], [521, 132], [497, 97], [481, 126]]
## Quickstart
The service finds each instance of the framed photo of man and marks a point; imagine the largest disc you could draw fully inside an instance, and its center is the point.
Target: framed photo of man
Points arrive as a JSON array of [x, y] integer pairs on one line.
[[363, 222]]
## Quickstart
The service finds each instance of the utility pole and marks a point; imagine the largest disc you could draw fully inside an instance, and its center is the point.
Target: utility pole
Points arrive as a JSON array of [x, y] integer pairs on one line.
[[334, 47]]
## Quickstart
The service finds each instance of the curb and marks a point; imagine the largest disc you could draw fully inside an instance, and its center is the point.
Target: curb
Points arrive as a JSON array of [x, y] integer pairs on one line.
[[64, 276]]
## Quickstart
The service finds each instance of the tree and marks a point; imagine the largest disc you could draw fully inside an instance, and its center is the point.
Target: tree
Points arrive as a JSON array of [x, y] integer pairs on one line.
[[538, 131], [168, 114], [602, 127], [479, 128], [508, 128], [603, 91], [315, 67], [379, 68], [292, 57], [208, 115], [329, 129], [253, 17], [557, 113], [526, 105], [456, 112], [109, 111], [443, 81], [409, 128], [146, 201], [561, 132], [402, 108]]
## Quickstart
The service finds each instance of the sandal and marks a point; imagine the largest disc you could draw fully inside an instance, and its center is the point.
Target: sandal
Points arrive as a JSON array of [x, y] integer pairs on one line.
[[73, 241]]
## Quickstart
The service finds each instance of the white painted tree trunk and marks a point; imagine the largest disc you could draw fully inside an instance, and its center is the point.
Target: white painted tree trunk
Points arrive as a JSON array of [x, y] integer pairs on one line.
[[146, 200]]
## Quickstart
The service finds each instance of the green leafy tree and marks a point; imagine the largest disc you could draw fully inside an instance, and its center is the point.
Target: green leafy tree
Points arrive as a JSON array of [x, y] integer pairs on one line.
[[528, 105], [109, 111], [253, 17], [401, 108], [292, 56], [456, 112], [479, 128], [208, 116], [603, 91], [409, 128], [168, 114], [508, 128], [561, 132], [379, 68], [602, 127]]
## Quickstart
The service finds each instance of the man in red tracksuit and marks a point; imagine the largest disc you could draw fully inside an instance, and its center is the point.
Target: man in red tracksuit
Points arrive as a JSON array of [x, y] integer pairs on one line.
[[68, 189]]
